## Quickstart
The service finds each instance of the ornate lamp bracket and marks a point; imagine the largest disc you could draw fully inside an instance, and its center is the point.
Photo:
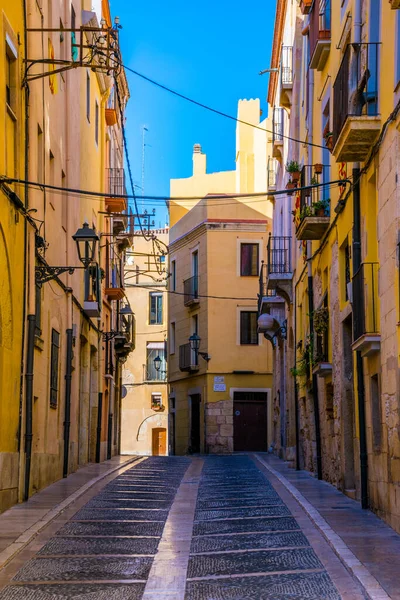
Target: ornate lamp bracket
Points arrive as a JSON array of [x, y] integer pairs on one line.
[[47, 273]]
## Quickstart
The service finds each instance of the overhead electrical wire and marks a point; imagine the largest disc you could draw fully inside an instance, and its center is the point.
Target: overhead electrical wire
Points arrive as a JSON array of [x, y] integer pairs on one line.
[[155, 289]]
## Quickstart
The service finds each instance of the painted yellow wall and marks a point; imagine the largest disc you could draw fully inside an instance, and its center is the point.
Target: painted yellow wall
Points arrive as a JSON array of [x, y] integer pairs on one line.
[[12, 228], [138, 417]]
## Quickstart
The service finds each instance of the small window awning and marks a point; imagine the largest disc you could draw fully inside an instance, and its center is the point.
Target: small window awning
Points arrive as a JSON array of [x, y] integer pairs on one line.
[[155, 345]]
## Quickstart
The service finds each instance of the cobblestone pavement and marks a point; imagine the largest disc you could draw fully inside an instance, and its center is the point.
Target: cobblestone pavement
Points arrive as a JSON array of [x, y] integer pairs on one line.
[[212, 528]]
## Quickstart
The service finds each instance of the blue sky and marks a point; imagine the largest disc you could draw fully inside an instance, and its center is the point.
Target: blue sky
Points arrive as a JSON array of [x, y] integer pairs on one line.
[[211, 51]]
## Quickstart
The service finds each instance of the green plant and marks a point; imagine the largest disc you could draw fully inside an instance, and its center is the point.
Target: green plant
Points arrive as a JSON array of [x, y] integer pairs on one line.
[[321, 319], [313, 181], [306, 211], [292, 166]]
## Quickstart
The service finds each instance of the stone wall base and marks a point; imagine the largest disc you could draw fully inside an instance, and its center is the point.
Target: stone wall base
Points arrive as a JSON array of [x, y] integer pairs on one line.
[[219, 427]]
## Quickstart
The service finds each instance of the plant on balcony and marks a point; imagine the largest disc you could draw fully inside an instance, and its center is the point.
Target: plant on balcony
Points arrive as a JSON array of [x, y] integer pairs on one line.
[[318, 168], [293, 168], [321, 320], [305, 6], [328, 137], [302, 368], [319, 208], [306, 211]]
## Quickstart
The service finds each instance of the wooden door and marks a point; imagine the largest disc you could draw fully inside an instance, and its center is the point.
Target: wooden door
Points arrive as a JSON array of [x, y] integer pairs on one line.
[[195, 400], [250, 421], [159, 436]]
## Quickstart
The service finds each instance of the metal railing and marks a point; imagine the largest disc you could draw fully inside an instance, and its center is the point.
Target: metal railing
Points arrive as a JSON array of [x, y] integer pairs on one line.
[[191, 289], [263, 282], [309, 176], [355, 91], [114, 277], [279, 255], [287, 66], [116, 182], [277, 125], [320, 23], [272, 166], [188, 358], [365, 300]]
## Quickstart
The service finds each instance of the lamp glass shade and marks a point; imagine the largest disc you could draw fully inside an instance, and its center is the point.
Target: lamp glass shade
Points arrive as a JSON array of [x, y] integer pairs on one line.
[[126, 310], [157, 363], [194, 342], [86, 240]]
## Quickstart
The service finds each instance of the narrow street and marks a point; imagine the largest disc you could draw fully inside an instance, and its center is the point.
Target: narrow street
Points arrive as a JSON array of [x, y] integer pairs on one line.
[[182, 528]]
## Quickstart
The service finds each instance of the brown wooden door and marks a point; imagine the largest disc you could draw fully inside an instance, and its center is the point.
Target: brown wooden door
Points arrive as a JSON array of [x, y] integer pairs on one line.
[[250, 421], [159, 441]]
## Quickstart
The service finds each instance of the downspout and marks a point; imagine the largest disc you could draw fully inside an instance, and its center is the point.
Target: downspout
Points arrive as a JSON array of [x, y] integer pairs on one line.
[[98, 431], [357, 260], [296, 388], [68, 384], [30, 364]]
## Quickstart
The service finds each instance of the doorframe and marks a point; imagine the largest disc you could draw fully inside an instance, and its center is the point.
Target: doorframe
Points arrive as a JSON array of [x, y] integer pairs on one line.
[[267, 391]]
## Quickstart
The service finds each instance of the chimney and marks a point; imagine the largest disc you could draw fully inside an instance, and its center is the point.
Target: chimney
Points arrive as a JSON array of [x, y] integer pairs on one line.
[[199, 161]]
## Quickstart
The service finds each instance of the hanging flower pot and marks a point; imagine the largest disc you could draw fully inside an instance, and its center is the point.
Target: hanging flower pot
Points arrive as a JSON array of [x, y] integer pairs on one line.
[[318, 168]]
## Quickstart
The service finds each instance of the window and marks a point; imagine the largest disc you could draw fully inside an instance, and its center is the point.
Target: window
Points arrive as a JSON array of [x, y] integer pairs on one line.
[[39, 155], [249, 260], [96, 125], [195, 264], [173, 275], [156, 308], [347, 271], [172, 339], [248, 328], [55, 352], [156, 400], [88, 96], [154, 350], [11, 73]]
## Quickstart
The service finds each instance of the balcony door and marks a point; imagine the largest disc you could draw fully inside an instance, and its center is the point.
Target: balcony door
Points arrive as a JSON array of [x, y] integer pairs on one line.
[[195, 400]]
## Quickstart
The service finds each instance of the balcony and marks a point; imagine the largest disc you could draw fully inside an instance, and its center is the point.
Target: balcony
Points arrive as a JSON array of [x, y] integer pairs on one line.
[[286, 72], [92, 301], [356, 120], [279, 266], [320, 34], [271, 174], [114, 283], [367, 338], [305, 6], [117, 201], [277, 132], [123, 229], [191, 291], [313, 219], [267, 299], [188, 359]]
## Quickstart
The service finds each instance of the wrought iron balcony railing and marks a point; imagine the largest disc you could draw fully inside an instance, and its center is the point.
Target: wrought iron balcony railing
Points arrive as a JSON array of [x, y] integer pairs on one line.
[[355, 91], [287, 67], [365, 300], [116, 182], [311, 175], [320, 25], [279, 255], [277, 125], [191, 290]]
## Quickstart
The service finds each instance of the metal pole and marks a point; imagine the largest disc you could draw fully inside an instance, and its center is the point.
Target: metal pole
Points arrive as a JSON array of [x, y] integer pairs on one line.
[[29, 400], [68, 383], [98, 432]]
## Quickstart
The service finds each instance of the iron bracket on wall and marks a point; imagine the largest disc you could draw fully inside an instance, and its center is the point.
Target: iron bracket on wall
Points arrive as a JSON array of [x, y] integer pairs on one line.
[[47, 273]]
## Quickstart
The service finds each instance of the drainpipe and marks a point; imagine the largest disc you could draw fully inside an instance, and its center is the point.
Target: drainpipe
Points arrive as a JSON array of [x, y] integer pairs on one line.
[[314, 377], [296, 388], [30, 364], [68, 384], [357, 22], [98, 431], [357, 260]]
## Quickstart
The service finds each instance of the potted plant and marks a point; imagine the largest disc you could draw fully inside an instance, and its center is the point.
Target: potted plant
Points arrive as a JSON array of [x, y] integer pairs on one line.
[[293, 168], [291, 185], [328, 140], [307, 211], [318, 168], [321, 320], [319, 208], [305, 6]]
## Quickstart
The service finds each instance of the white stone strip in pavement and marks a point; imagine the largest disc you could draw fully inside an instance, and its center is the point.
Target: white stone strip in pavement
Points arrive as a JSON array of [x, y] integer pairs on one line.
[[167, 578], [25, 538], [370, 585]]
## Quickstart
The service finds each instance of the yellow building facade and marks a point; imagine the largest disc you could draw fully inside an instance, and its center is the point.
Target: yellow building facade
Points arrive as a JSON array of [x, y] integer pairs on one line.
[[12, 246], [219, 367], [341, 102], [67, 326], [144, 426]]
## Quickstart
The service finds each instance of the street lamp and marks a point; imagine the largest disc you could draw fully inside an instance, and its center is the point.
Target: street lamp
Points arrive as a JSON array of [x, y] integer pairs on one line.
[[86, 240], [157, 363], [194, 342]]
